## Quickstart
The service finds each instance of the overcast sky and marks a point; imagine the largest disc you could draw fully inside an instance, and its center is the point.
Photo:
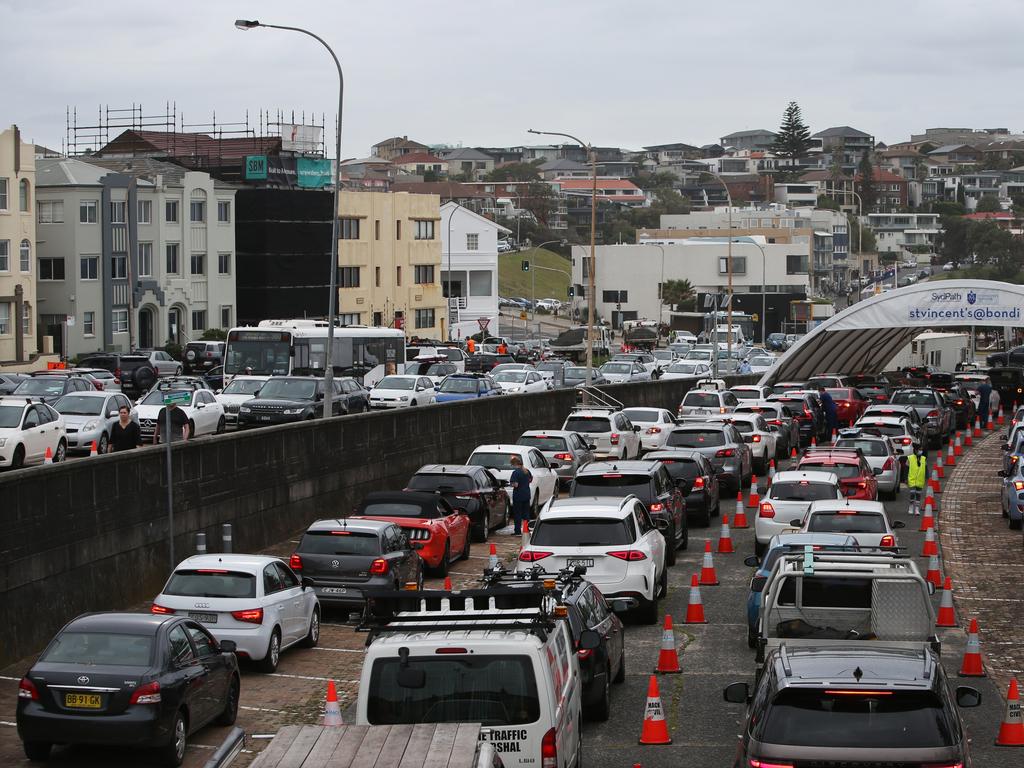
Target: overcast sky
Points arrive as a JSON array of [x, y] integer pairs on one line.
[[478, 72]]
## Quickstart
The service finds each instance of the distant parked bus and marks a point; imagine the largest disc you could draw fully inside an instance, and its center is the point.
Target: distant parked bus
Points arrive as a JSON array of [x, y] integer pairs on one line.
[[298, 347]]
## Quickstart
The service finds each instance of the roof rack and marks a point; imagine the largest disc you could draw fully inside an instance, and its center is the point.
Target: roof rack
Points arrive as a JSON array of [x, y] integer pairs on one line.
[[824, 450], [505, 609], [598, 400], [535, 574]]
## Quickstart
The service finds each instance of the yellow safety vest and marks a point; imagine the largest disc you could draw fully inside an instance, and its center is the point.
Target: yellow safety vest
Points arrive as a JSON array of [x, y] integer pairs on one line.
[[916, 467]]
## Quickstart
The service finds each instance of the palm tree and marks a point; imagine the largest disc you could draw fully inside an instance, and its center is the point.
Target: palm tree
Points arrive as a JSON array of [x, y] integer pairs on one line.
[[676, 292]]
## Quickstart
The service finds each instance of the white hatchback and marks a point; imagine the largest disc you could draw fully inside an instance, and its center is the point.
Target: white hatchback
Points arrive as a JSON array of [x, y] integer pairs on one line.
[[788, 498], [254, 600], [498, 458], [402, 391], [865, 520]]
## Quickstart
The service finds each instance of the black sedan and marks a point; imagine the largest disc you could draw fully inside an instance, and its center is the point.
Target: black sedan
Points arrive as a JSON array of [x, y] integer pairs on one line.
[[127, 679]]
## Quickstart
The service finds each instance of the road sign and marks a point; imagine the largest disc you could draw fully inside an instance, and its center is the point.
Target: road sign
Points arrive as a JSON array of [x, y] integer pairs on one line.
[[177, 398], [70, 321], [522, 315], [755, 317], [483, 322]]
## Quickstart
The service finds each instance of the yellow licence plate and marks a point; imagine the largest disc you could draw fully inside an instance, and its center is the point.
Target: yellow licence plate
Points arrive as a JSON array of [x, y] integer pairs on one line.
[[83, 700]]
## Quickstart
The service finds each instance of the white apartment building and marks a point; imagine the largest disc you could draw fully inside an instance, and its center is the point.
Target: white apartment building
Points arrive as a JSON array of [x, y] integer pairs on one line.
[[134, 252], [469, 268], [19, 339], [901, 232]]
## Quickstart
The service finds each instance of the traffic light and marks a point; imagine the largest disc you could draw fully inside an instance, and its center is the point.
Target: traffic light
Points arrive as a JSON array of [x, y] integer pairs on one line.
[[526, 265], [569, 292]]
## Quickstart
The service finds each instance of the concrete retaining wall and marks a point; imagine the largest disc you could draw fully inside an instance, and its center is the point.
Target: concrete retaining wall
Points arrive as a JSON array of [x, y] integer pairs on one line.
[[91, 535]]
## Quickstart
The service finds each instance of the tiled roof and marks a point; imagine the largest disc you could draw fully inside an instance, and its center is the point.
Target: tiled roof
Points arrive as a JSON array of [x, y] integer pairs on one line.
[[417, 157], [841, 130], [186, 145], [947, 148], [990, 215], [446, 189], [601, 184]]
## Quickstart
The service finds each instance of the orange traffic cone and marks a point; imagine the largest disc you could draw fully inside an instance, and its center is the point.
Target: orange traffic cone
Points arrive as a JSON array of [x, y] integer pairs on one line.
[[792, 454], [946, 617], [968, 440], [938, 465], [655, 729], [668, 657], [950, 456], [48, 458], [990, 423], [933, 576], [332, 711], [1011, 730], [92, 449], [448, 583], [492, 561], [977, 427], [930, 545], [771, 472], [958, 449], [708, 577], [835, 436], [1001, 420], [725, 538], [933, 481], [754, 498], [971, 665], [694, 607], [927, 519], [739, 519], [526, 534], [814, 442]]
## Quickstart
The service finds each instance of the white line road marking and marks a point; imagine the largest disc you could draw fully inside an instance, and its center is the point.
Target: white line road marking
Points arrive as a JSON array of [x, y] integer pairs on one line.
[[317, 679], [340, 650], [4, 722], [15, 679], [992, 599]]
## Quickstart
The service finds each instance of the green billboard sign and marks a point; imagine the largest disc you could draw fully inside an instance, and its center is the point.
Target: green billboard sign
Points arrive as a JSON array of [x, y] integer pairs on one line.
[[313, 173], [255, 167]]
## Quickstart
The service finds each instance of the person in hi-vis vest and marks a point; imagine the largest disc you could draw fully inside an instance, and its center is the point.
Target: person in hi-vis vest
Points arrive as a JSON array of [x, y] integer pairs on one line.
[[917, 471]]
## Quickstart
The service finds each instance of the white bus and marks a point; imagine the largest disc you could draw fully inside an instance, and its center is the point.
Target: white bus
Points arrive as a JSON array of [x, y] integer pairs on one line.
[[298, 347]]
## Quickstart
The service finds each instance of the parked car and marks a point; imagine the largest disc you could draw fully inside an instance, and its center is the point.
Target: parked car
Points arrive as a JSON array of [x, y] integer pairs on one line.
[[857, 479], [622, 371], [1014, 358], [878, 451], [686, 369], [608, 429], [470, 488], [757, 434], [201, 356], [776, 414], [485, 362], [521, 382], [89, 417], [789, 497], [102, 379], [10, 381], [135, 373], [777, 342], [576, 376], [936, 415], [162, 362], [27, 429], [553, 371], [810, 419], [866, 521], [402, 391], [1011, 496], [704, 402], [50, 388], [287, 399], [654, 423], [850, 404], [696, 479]]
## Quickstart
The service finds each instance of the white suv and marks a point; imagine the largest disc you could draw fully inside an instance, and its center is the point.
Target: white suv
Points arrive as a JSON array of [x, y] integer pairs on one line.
[[705, 402], [609, 429], [622, 548], [789, 497]]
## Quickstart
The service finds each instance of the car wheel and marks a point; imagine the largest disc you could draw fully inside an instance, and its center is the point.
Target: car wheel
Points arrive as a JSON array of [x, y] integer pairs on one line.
[[221, 426], [663, 584], [647, 611], [684, 542], [269, 662], [465, 550], [191, 429], [101, 445], [602, 708], [173, 754], [670, 545], [313, 636], [62, 452], [442, 567], [230, 713], [37, 751], [18, 460], [620, 676]]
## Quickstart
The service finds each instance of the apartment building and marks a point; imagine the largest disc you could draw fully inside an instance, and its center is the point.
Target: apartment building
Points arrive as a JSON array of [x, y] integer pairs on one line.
[[389, 262], [905, 233], [469, 269], [19, 339], [133, 253]]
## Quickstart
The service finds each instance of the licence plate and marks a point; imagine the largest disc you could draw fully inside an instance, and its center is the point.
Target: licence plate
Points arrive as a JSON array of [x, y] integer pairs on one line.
[[83, 700], [587, 562], [333, 590], [206, 618], [264, 418]]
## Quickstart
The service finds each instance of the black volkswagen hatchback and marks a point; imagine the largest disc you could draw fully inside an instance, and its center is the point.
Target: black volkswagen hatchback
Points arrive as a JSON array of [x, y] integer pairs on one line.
[[127, 679]]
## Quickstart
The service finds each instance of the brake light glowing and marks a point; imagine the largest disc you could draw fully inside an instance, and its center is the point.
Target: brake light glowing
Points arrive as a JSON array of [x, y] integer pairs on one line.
[[146, 694], [628, 554], [450, 650], [906, 441], [160, 609], [654, 430], [766, 510], [614, 438], [548, 750], [698, 482], [250, 615], [533, 555], [858, 693], [295, 561], [27, 690], [379, 567], [341, 533], [932, 415], [887, 541], [657, 507], [563, 456], [723, 453], [755, 439], [807, 414], [211, 570], [584, 653], [1018, 485], [752, 763]]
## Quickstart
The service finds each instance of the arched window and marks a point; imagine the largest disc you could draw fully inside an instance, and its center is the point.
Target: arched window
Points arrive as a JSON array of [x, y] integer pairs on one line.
[[24, 196], [197, 206], [26, 255]]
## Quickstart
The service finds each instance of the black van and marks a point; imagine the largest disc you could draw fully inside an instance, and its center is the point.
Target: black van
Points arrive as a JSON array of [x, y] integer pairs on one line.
[[1009, 383]]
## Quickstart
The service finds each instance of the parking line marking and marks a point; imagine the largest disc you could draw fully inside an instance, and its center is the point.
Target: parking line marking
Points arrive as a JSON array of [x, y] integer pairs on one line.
[[992, 599], [4, 722], [15, 679]]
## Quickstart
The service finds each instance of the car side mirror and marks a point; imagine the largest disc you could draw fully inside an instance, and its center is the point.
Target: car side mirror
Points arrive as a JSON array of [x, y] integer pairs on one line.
[[553, 465], [503, 483], [306, 581], [967, 697], [217, 391], [898, 524], [797, 522], [751, 561], [661, 525], [589, 640], [227, 646], [200, 405], [1003, 473], [876, 471], [737, 693], [636, 428], [112, 415]]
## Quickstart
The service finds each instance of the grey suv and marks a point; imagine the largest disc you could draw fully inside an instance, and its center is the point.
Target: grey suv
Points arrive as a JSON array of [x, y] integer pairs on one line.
[[722, 445], [937, 416], [852, 705]]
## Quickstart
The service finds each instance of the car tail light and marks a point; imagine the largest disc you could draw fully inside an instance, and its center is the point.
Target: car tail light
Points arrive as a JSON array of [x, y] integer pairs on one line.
[[698, 482], [906, 441], [723, 453], [889, 465], [379, 567], [628, 554], [146, 694], [887, 541], [295, 562], [27, 690], [563, 456], [451, 650], [1018, 485], [752, 763], [958, 402], [467, 495], [721, 410], [656, 507], [533, 555], [755, 439], [932, 415], [583, 653], [614, 438], [160, 609], [654, 430], [776, 422], [807, 414], [548, 750], [250, 615], [766, 510]]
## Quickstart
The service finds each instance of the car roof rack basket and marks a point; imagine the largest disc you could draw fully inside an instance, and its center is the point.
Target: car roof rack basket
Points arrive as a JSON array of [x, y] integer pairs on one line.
[[598, 400]]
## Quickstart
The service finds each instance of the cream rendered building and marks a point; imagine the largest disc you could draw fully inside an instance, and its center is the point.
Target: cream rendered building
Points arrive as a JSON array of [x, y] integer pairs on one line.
[[389, 262], [18, 336]]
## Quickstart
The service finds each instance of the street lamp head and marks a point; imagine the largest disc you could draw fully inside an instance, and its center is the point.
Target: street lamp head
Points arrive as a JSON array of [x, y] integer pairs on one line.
[[246, 24], [530, 130]]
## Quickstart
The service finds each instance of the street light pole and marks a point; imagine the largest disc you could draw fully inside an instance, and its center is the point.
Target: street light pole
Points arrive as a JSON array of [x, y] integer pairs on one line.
[[245, 25], [860, 212], [448, 299], [533, 278], [661, 287]]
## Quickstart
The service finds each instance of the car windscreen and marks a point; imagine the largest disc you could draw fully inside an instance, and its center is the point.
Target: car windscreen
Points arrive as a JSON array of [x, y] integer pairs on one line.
[[643, 415], [211, 582], [889, 719], [695, 438], [845, 522], [243, 387], [913, 398], [458, 386], [79, 405], [842, 471], [543, 443], [287, 390], [100, 649], [701, 400], [156, 397], [840, 393], [613, 484], [971, 385], [340, 542], [510, 377], [746, 394], [1006, 377], [398, 509], [582, 532], [396, 382], [492, 460], [687, 369], [443, 483], [457, 688], [41, 385], [616, 368], [780, 389], [588, 424], [867, 447], [801, 490]]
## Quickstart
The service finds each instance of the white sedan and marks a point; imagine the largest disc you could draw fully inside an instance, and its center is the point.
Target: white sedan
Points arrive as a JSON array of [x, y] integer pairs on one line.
[[205, 414], [254, 600], [686, 369], [27, 430], [498, 459], [241, 389], [655, 426], [402, 391], [619, 371], [521, 382]]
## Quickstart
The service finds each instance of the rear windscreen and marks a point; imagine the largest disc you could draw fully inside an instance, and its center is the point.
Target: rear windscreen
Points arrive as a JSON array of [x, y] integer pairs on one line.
[[681, 468], [842, 522], [543, 443], [613, 484], [443, 483], [211, 582], [100, 648], [398, 509], [582, 532], [913, 398], [801, 491], [1005, 377], [743, 427], [458, 688], [700, 400], [500, 461], [867, 447], [890, 430], [588, 424], [642, 414], [339, 543], [695, 438], [842, 471]]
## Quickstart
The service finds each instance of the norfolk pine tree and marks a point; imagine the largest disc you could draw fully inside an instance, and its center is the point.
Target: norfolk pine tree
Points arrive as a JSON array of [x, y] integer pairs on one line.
[[794, 137]]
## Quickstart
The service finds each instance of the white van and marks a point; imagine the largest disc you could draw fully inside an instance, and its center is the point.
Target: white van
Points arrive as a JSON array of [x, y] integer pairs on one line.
[[499, 657]]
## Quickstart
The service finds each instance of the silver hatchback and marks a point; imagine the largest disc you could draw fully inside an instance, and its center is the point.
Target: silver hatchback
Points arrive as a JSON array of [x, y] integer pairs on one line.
[[722, 445], [566, 452]]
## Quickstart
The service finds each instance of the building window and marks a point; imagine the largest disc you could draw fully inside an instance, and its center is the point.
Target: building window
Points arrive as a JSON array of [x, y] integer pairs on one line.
[[615, 297], [145, 259], [350, 229], [348, 277], [89, 323], [796, 264], [89, 267], [198, 264], [87, 211], [5, 318], [424, 230], [376, 229], [26, 318], [376, 277], [398, 229], [423, 274], [119, 321], [118, 212], [25, 254], [119, 266], [424, 318], [398, 276], [481, 282], [225, 317], [171, 211], [5, 255], [739, 265], [223, 263], [472, 241], [49, 269], [3, 194], [50, 212], [198, 319], [173, 267], [224, 211], [197, 211], [145, 211], [24, 196], [349, 318]]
